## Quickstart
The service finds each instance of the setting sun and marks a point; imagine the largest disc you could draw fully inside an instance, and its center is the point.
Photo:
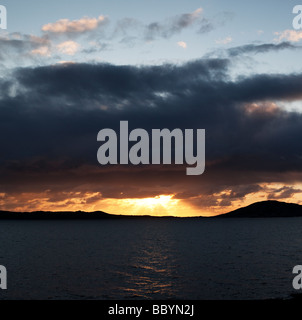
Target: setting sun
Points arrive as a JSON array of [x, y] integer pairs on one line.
[[165, 201], [159, 205]]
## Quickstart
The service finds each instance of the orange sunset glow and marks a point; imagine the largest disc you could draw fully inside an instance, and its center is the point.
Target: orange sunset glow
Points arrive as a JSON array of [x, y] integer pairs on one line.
[[161, 205]]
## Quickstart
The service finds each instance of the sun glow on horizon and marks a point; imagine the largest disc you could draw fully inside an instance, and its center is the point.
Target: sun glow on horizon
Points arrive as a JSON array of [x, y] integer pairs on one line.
[[159, 205], [151, 203], [164, 204]]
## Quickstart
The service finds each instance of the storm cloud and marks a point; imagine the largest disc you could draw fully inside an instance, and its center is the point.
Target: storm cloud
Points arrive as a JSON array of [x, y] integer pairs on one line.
[[50, 117]]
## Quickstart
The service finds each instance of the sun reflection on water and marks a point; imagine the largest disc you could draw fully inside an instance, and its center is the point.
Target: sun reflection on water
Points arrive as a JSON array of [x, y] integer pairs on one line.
[[152, 271]]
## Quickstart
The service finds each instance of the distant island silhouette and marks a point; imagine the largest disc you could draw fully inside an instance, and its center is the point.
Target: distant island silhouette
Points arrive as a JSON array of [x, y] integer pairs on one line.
[[263, 209], [266, 209], [69, 215]]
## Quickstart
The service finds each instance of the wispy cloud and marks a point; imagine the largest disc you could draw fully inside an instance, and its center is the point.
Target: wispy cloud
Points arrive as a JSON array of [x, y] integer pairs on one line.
[[75, 26], [42, 51], [173, 25], [224, 41], [21, 47], [182, 44], [289, 35], [282, 193], [252, 49], [261, 48], [126, 31], [68, 47]]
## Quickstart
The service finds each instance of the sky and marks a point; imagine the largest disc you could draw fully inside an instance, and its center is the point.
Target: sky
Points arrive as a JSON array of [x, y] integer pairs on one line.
[[70, 69]]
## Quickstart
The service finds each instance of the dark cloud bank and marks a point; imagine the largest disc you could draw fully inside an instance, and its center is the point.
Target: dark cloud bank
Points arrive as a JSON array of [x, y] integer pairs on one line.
[[50, 117]]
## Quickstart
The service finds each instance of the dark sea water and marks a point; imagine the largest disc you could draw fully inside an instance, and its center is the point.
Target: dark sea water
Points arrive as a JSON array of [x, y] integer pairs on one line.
[[151, 259]]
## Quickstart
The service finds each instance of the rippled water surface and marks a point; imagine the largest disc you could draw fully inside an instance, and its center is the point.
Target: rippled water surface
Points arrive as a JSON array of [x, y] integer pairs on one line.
[[150, 259]]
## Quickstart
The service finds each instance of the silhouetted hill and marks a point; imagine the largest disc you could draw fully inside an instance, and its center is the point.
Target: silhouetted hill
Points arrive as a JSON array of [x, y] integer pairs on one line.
[[43, 215], [266, 209], [65, 215]]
